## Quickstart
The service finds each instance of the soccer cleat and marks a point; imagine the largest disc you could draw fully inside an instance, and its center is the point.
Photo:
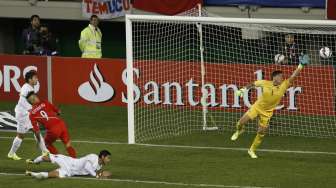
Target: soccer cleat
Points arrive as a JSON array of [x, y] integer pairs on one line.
[[252, 154], [29, 161], [13, 156], [28, 173], [235, 135]]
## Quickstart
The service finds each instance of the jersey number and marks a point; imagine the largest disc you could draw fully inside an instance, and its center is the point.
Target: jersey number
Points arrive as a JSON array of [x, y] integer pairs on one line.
[[44, 115]]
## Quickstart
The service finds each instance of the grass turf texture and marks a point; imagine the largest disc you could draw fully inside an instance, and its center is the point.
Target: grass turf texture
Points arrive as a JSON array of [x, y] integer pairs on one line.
[[152, 123], [185, 165]]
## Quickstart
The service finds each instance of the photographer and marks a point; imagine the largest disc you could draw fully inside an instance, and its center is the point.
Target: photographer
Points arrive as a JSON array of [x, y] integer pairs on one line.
[[31, 36], [48, 42]]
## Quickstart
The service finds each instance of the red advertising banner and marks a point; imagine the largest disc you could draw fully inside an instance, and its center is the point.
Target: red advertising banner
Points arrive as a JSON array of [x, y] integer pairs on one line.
[[12, 70], [169, 7], [88, 81], [103, 82], [312, 93]]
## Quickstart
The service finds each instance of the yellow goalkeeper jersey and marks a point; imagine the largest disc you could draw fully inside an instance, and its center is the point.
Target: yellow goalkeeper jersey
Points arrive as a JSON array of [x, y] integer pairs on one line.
[[271, 95]]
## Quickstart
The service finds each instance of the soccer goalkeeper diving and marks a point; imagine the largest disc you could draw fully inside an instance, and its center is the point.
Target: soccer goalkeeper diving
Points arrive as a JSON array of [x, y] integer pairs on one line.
[[272, 92]]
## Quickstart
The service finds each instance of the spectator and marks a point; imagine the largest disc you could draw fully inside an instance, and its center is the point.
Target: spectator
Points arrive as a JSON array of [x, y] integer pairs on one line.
[[48, 42], [31, 36], [292, 51], [91, 39]]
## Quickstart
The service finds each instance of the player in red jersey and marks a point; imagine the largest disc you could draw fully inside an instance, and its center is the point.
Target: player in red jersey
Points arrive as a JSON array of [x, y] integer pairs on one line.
[[45, 113]]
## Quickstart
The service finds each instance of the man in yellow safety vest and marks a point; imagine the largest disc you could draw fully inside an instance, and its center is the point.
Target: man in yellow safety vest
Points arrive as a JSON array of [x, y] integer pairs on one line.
[[90, 42]]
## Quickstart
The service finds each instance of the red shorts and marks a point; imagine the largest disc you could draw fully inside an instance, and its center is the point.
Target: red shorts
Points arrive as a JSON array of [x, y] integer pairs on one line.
[[59, 131]]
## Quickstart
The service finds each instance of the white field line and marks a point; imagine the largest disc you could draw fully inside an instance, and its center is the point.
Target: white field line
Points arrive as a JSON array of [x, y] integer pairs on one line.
[[147, 182], [194, 147]]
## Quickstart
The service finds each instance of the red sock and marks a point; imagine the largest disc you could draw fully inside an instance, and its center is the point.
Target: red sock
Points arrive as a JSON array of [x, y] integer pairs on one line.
[[71, 151], [52, 149]]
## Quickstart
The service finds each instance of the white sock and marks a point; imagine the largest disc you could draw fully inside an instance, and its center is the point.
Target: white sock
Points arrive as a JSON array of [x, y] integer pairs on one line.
[[41, 144], [38, 159], [40, 175], [15, 146]]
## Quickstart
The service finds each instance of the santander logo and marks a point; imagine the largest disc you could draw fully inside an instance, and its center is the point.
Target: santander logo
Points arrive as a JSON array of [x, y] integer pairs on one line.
[[96, 89]]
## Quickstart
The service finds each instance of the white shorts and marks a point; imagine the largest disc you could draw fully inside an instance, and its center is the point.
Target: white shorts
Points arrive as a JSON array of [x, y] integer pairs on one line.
[[64, 163], [23, 123]]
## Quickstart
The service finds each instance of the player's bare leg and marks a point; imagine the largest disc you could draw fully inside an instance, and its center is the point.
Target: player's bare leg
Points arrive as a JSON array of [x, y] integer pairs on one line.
[[262, 130], [53, 174], [240, 126], [39, 159], [15, 146], [43, 175]]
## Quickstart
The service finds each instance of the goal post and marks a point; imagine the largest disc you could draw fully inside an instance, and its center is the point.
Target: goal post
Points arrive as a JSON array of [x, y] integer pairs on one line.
[[201, 51], [129, 69], [182, 73]]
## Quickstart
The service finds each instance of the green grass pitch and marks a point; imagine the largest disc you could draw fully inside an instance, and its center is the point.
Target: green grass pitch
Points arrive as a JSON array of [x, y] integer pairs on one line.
[[281, 164]]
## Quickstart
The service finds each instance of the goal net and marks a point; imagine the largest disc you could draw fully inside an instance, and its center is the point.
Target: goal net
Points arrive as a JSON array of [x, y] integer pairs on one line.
[[182, 73]]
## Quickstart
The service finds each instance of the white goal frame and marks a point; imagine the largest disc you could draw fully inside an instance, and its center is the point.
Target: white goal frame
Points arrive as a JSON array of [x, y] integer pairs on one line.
[[197, 20]]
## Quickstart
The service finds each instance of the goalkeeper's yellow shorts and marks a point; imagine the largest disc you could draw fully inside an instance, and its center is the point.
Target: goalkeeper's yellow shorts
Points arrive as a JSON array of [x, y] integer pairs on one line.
[[264, 116]]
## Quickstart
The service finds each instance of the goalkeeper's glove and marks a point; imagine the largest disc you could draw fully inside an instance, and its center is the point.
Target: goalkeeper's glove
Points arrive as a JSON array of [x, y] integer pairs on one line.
[[240, 92], [303, 60]]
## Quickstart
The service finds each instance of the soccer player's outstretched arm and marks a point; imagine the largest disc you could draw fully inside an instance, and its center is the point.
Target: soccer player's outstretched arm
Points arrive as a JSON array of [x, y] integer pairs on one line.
[[90, 169], [304, 60]]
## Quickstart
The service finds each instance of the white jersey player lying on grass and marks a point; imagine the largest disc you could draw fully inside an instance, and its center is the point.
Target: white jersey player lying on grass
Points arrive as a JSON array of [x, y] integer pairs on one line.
[[90, 164]]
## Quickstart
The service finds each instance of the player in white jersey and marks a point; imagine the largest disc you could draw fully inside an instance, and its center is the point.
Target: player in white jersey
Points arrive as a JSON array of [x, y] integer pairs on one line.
[[90, 164], [22, 115]]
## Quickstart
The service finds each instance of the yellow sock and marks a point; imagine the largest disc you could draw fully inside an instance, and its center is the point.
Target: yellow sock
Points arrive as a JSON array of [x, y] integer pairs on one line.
[[257, 141]]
